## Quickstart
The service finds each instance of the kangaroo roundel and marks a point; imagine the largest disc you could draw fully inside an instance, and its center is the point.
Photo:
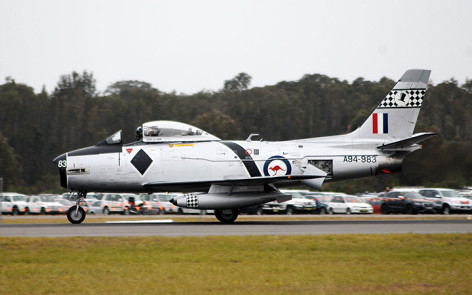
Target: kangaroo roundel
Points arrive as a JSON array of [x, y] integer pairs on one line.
[[277, 166]]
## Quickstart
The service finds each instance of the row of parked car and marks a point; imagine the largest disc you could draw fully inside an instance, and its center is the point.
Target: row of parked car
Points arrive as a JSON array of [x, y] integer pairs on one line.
[[95, 203], [400, 200]]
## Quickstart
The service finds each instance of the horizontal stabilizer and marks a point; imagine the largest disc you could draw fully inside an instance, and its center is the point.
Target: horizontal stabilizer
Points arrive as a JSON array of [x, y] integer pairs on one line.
[[407, 142]]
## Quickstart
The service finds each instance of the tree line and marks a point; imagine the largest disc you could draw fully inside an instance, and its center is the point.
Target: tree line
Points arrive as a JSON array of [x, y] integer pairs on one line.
[[36, 127]]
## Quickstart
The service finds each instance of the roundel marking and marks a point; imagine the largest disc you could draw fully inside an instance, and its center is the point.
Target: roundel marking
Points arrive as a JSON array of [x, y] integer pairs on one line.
[[277, 166]]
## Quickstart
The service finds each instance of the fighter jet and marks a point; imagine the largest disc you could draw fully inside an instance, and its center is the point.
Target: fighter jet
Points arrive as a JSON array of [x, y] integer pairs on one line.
[[225, 175]]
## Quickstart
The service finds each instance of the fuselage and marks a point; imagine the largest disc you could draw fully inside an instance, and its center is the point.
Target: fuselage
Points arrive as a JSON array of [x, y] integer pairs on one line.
[[194, 166]]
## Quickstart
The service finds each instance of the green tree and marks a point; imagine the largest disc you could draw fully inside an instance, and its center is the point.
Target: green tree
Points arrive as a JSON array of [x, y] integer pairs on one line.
[[241, 82], [218, 124], [10, 168]]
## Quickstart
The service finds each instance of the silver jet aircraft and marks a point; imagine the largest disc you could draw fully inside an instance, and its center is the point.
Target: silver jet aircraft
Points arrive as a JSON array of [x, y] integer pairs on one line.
[[226, 175]]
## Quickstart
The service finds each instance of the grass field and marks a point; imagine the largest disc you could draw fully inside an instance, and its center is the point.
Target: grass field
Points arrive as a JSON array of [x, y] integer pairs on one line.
[[331, 264]]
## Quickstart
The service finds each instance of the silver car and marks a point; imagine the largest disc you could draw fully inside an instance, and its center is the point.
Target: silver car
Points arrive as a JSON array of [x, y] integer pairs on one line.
[[451, 200]]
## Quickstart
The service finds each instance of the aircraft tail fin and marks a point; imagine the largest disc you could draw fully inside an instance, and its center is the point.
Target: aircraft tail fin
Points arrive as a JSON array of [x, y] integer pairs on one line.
[[395, 117]]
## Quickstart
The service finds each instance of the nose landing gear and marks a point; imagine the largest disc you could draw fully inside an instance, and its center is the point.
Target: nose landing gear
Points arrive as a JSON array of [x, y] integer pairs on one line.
[[76, 214]]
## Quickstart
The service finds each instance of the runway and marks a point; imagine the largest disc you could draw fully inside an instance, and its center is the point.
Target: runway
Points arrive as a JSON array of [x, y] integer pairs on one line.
[[241, 228]]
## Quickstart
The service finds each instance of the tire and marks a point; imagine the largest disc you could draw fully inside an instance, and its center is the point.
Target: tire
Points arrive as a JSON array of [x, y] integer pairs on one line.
[[409, 210], [446, 210], [27, 211], [384, 209], [15, 211], [323, 211], [348, 211], [75, 218], [290, 210], [227, 216], [106, 211], [43, 211], [259, 211], [331, 211]]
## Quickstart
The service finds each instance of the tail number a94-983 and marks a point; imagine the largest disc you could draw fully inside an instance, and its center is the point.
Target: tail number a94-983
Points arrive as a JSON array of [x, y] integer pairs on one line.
[[360, 159]]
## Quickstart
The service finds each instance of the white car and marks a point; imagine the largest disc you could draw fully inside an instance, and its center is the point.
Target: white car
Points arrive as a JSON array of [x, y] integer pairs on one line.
[[114, 203], [44, 204], [13, 203], [451, 199], [298, 204], [346, 204]]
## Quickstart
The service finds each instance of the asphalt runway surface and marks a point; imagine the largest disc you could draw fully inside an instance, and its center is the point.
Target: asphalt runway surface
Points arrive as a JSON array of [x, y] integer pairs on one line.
[[239, 228]]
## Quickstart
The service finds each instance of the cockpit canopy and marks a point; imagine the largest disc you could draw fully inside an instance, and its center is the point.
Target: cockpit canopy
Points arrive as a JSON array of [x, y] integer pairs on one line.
[[162, 131]]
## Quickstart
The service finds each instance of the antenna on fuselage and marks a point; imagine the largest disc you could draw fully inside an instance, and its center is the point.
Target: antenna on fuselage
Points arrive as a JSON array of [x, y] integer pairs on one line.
[[249, 139]]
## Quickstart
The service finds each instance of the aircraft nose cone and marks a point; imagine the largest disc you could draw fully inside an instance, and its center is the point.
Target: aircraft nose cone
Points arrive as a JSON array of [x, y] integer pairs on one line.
[[61, 164], [59, 158]]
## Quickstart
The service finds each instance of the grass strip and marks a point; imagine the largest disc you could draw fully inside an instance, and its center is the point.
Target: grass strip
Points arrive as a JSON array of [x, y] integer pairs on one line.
[[330, 264]]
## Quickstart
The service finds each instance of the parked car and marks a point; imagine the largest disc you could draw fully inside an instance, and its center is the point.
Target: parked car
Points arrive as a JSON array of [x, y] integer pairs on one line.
[[321, 206], [451, 200], [13, 203], [406, 201], [160, 204], [66, 204], [347, 204], [371, 199], [252, 210], [44, 204], [96, 207], [114, 203], [298, 204], [136, 205]]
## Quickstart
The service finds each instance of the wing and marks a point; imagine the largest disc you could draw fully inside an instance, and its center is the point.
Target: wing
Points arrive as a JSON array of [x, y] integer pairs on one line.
[[195, 186]]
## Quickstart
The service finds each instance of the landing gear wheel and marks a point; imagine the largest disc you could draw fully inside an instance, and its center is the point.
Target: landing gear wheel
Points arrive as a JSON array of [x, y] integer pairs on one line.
[[227, 215], [75, 216]]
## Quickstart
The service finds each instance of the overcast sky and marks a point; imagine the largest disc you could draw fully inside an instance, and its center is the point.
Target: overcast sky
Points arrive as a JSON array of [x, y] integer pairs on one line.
[[189, 46]]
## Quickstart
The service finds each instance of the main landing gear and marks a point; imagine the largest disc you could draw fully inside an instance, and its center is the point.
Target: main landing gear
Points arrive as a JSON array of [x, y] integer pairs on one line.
[[76, 214], [226, 215]]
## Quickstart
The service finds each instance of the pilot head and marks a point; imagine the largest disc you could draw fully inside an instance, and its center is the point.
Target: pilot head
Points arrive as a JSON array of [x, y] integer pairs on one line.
[[139, 133]]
